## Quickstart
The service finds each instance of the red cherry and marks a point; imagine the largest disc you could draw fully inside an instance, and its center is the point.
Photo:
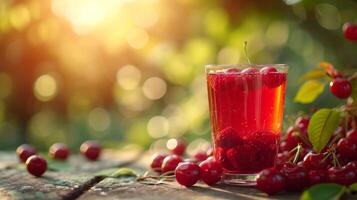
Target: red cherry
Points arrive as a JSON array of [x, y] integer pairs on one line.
[[36, 165], [157, 162], [24, 151], [220, 156], [350, 31], [296, 177], [176, 146], [270, 181], [353, 166], [352, 121], [302, 123], [228, 138], [318, 176], [341, 88], [267, 70], [304, 151], [271, 77], [249, 79], [200, 156], [91, 150], [313, 161], [170, 163], [284, 146], [347, 148], [187, 173], [250, 70], [233, 70], [211, 171], [59, 151], [352, 135], [281, 159], [344, 176], [291, 139]]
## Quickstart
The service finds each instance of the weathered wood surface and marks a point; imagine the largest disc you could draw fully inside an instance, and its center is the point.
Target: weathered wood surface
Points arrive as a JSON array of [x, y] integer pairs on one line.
[[70, 183], [81, 183]]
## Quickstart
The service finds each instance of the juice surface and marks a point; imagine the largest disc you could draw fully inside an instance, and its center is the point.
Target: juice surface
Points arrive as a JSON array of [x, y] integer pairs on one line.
[[246, 113]]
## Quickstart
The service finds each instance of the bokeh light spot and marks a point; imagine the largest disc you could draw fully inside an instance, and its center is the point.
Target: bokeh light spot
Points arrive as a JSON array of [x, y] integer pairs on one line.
[[216, 23], [199, 51], [154, 88], [158, 126], [99, 119], [20, 17], [328, 16], [147, 18], [277, 33], [138, 38], [45, 88], [128, 77]]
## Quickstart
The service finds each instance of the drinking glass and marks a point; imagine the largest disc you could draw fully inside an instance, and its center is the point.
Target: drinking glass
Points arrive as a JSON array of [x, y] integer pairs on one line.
[[246, 109]]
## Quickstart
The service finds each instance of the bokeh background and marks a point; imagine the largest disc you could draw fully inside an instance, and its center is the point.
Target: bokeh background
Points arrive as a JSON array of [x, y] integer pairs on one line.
[[131, 72]]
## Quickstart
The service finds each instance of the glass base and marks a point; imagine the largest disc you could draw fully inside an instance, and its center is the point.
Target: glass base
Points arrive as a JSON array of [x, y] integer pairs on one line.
[[240, 179]]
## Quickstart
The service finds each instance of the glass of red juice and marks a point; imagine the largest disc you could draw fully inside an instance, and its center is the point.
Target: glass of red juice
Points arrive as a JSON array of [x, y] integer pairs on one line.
[[246, 109]]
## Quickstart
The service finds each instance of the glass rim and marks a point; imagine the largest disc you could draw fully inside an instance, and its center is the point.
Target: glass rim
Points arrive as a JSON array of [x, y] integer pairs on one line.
[[283, 67]]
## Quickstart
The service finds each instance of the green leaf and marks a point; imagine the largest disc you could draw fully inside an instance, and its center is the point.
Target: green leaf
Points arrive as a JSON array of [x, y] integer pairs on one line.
[[106, 172], [326, 191], [322, 125], [309, 91], [313, 74], [353, 187], [124, 172]]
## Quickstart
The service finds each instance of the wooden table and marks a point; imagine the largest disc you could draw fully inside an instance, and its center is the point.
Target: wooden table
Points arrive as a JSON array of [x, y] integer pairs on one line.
[[81, 181]]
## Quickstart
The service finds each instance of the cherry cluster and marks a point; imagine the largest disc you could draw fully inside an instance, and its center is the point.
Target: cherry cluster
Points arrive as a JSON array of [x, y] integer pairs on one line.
[[187, 171], [37, 165], [297, 166]]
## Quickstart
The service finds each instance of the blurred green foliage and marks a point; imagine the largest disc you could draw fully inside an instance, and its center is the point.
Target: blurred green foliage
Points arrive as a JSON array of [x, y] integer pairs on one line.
[[132, 72]]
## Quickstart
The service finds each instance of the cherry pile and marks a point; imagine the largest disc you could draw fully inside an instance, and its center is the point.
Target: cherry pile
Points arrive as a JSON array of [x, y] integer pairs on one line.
[[37, 165], [202, 166], [297, 166]]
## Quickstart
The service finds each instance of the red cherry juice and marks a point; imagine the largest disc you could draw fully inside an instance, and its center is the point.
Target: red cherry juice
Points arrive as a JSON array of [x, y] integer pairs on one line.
[[246, 110]]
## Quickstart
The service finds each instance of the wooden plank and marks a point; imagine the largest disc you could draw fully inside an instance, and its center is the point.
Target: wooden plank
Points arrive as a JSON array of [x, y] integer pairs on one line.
[[16, 183]]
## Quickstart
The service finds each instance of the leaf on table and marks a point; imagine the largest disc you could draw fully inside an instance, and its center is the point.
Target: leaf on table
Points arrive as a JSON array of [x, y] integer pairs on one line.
[[124, 172], [55, 165], [326, 191], [309, 91], [106, 172], [353, 187], [321, 127], [313, 74]]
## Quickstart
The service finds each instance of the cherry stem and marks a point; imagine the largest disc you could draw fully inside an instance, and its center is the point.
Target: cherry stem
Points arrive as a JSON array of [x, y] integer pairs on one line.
[[335, 139], [246, 52], [335, 160], [297, 154], [352, 77], [326, 155]]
